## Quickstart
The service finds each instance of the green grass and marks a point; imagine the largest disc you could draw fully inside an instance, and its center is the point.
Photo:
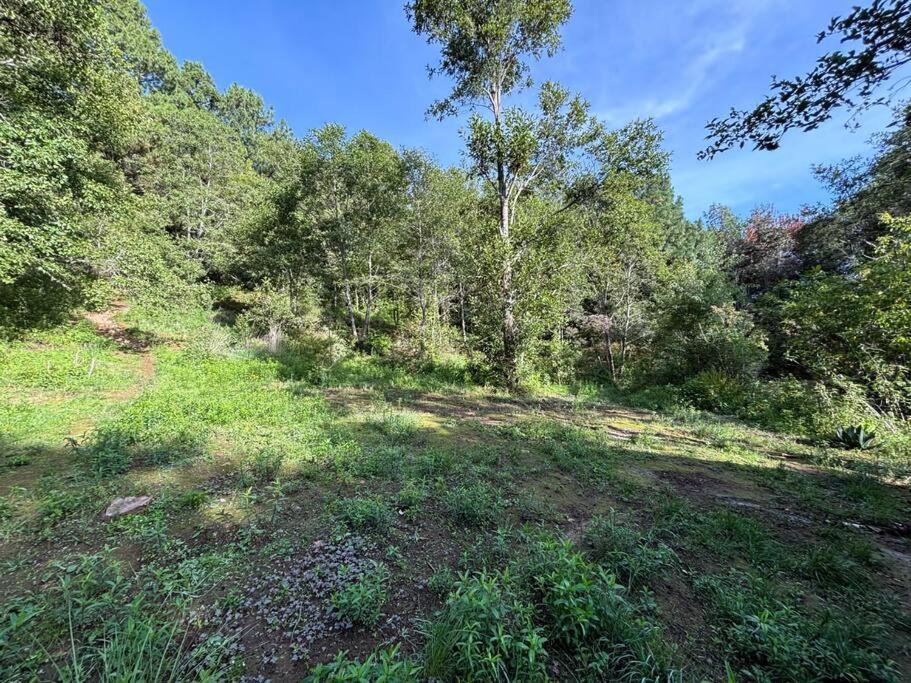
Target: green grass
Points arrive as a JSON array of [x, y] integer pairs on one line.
[[473, 504], [633, 557], [371, 513], [766, 632], [70, 360]]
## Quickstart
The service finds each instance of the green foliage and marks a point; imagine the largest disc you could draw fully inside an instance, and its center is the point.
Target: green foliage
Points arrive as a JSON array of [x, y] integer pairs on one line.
[[194, 399], [108, 634], [587, 614], [634, 558], [141, 648], [699, 328], [361, 601], [68, 111], [854, 437], [830, 565], [771, 638], [814, 409], [473, 504], [261, 272], [398, 425], [55, 505], [261, 467], [70, 359], [276, 312], [877, 36], [364, 513], [865, 340], [716, 391], [412, 495], [484, 631], [385, 666], [192, 500]]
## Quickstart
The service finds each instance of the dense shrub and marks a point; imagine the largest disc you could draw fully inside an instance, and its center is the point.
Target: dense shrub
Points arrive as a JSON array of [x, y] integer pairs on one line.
[[699, 328], [715, 390]]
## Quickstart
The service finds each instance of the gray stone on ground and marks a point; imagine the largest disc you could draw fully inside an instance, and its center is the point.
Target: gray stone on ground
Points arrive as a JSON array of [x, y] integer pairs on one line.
[[126, 505]]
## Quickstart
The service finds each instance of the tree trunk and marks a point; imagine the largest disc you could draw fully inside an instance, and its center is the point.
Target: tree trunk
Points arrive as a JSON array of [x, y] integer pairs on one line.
[[422, 302], [462, 314], [274, 339], [368, 299], [350, 310], [510, 329]]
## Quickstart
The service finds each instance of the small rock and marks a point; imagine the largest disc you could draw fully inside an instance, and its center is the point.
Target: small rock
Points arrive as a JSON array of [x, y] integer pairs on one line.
[[124, 506]]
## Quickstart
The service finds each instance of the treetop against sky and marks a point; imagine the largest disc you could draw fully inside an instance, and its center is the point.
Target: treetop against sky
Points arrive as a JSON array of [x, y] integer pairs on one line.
[[357, 62]]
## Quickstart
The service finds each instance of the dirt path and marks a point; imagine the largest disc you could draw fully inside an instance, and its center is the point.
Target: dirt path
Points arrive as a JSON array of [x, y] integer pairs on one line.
[[128, 340]]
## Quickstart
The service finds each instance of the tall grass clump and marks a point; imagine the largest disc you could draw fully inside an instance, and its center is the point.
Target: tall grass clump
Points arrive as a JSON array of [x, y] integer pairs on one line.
[[485, 631], [770, 636]]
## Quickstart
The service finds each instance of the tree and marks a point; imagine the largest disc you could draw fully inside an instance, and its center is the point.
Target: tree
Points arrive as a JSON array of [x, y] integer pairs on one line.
[[842, 78], [485, 47], [857, 326], [67, 111], [629, 228], [440, 210], [244, 112], [197, 168], [332, 222], [838, 238], [145, 58], [698, 328], [765, 252]]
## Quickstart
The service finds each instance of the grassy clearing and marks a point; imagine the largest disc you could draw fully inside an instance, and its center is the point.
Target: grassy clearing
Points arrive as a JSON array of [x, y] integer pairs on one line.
[[347, 519]]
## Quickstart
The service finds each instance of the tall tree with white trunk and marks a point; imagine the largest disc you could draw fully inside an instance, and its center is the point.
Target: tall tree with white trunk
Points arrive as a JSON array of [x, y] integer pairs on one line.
[[485, 49]]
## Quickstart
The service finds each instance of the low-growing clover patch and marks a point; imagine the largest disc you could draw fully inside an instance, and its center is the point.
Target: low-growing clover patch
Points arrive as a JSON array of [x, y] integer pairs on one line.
[[290, 596]]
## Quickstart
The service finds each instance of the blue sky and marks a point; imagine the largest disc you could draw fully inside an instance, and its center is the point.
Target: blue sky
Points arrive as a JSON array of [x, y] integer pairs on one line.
[[357, 63]]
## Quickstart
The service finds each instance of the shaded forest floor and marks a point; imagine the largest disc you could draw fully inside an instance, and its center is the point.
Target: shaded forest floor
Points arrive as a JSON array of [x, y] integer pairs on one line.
[[273, 494]]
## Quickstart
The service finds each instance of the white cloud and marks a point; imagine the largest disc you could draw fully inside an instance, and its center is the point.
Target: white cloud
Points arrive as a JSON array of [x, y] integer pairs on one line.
[[696, 76], [729, 23]]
